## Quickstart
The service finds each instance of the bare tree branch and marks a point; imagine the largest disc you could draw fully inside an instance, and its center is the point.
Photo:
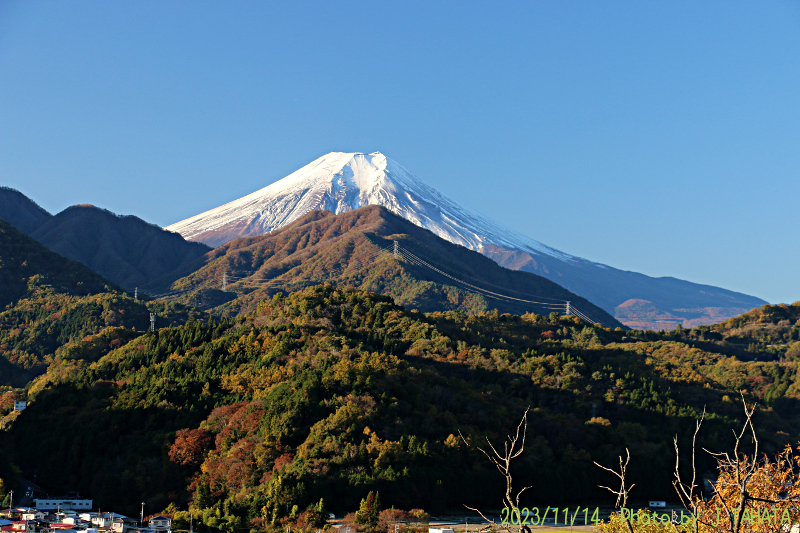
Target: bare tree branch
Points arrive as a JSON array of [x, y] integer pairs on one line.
[[513, 447], [686, 493], [622, 493]]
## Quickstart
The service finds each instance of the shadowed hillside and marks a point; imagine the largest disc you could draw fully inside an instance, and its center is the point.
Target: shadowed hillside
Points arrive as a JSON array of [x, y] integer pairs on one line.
[[20, 211], [27, 264], [124, 249], [50, 303]]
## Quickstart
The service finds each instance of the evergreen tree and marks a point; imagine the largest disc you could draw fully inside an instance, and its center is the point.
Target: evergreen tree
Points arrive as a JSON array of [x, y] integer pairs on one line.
[[369, 510], [202, 496]]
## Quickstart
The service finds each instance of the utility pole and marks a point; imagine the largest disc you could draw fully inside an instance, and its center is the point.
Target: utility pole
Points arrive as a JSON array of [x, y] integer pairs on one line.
[[396, 252], [224, 282], [152, 321], [141, 516]]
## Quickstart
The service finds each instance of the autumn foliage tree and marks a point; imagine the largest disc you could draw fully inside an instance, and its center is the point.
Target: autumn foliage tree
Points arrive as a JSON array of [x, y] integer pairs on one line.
[[369, 510], [190, 446], [753, 493]]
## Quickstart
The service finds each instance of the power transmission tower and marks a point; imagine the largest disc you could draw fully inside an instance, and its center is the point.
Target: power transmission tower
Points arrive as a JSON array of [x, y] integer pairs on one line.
[[396, 249], [152, 321], [224, 282]]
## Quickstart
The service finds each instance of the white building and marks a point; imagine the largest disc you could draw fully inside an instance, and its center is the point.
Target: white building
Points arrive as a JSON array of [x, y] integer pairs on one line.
[[73, 504], [160, 523], [28, 526], [105, 519]]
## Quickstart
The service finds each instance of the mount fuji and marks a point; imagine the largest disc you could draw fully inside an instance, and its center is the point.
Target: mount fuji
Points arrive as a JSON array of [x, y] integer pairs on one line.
[[340, 182]]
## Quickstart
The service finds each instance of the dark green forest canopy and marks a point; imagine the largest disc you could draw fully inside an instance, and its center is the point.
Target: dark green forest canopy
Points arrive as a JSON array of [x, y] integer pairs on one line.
[[330, 393]]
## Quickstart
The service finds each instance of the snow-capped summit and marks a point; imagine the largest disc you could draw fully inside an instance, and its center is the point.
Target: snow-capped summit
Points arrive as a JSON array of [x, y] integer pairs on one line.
[[340, 182]]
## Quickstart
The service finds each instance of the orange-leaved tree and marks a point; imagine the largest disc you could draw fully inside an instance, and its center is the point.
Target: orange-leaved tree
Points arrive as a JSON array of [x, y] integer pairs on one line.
[[753, 493]]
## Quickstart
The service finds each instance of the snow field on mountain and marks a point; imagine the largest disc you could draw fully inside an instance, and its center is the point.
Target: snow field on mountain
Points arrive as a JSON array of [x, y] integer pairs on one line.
[[340, 182]]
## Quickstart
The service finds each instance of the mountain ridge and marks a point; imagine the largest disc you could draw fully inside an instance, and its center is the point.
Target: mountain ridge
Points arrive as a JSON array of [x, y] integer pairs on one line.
[[350, 249], [124, 249], [341, 181], [20, 211]]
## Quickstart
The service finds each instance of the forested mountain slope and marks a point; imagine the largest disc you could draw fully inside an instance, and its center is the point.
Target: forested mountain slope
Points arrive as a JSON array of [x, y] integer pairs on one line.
[[27, 264], [328, 393], [770, 332], [49, 301], [355, 249]]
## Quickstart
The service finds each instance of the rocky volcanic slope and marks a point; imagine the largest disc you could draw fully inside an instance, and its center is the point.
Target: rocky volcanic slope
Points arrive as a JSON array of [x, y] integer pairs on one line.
[[340, 182]]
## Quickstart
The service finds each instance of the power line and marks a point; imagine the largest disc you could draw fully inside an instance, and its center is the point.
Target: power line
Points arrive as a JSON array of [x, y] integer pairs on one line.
[[556, 305], [487, 292], [486, 283], [397, 252]]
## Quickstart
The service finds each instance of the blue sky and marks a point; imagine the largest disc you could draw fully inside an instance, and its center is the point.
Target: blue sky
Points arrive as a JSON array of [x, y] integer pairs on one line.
[[662, 138]]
